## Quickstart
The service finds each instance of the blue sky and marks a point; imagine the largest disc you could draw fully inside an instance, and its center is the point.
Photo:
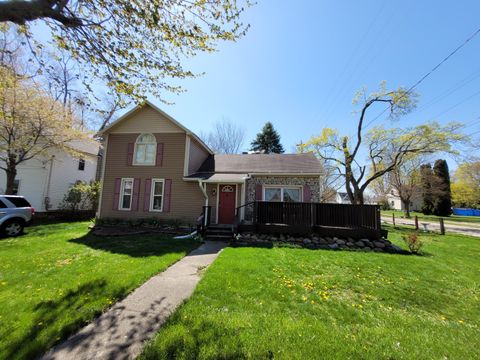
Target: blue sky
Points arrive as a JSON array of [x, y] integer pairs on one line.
[[301, 63]]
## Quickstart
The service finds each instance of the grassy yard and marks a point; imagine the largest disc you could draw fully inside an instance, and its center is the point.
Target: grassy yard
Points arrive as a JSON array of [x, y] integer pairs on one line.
[[57, 278], [285, 303], [474, 220]]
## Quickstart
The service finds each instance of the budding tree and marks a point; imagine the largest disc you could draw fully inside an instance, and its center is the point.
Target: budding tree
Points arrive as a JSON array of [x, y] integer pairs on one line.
[[385, 149]]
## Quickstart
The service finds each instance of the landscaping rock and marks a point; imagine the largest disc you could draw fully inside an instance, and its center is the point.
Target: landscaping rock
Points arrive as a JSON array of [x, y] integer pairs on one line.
[[360, 244], [317, 242], [379, 244], [330, 240]]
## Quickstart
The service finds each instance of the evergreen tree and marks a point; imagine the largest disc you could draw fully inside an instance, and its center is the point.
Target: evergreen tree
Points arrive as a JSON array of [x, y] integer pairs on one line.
[[268, 140], [442, 204], [426, 174]]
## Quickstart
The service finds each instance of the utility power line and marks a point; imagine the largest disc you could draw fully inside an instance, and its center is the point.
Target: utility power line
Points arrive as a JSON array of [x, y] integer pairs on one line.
[[430, 72], [457, 104]]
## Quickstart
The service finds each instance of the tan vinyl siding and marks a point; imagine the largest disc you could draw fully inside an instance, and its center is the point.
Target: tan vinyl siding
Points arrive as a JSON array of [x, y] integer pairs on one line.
[[186, 198], [196, 157], [146, 120]]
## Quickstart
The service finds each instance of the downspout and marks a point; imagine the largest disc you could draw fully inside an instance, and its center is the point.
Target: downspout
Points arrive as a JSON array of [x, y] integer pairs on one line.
[[204, 191], [49, 179]]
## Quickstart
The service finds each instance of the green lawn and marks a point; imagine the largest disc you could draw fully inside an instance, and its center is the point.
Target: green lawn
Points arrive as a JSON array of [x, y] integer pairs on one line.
[[285, 303], [57, 278], [451, 218]]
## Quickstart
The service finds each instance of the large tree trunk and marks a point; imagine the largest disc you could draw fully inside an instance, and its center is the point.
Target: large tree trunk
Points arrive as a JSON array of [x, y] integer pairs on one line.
[[355, 194], [11, 172], [359, 197], [406, 207]]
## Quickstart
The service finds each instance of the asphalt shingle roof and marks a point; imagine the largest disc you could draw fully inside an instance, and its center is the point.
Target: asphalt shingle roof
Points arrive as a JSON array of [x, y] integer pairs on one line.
[[261, 163]]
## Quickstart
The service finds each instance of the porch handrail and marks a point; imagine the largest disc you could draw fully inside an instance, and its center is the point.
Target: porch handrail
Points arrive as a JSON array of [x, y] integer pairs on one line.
[[241, 206]]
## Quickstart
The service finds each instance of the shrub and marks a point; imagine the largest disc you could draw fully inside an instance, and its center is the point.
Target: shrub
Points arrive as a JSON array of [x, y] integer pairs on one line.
[[413, 242], [81, 196], [384, 205]]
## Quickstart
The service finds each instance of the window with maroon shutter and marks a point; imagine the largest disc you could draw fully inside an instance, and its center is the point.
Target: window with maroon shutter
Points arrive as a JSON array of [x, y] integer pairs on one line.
[[282, 193], [136, 192], [145, 150], [116, 193], [126, 194], [157, 195]]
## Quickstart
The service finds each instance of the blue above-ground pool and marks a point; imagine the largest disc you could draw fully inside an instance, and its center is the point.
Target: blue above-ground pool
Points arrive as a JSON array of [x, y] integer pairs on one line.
[[466, 212]]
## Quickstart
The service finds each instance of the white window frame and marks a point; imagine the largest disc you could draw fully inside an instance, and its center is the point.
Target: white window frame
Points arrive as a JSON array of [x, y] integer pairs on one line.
[[152, 194], [134, 160], [282, 187], [121, 195]]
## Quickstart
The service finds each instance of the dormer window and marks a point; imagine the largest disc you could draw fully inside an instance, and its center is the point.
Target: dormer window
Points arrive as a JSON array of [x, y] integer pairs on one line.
[[145, 150]]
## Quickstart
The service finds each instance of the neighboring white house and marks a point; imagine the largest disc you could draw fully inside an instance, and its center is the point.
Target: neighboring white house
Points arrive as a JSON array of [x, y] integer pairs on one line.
[[51, 175], [396, 203], [342, 198]]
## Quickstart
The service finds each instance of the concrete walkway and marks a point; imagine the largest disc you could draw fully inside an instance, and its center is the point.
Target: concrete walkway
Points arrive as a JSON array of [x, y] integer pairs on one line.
[[121, 332]]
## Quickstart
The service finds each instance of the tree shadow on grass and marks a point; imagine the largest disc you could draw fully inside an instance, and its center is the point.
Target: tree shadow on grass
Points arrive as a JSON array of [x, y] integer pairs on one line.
[[137, 245], [192, 339], [57, 319]]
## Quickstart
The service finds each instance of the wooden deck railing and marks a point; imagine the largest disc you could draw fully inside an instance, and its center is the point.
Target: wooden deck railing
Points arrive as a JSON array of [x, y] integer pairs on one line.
[[317, 214]]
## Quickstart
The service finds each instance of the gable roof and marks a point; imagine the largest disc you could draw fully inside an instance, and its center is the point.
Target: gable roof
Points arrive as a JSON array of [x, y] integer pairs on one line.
[[305, 163], [343, 196], [125, 116]]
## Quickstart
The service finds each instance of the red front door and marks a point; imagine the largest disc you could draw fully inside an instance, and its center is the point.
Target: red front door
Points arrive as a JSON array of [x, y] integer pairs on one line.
[[226, 204]]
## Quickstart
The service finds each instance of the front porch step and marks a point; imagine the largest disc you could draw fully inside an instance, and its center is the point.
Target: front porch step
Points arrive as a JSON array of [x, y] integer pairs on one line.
[[219, 238], [219, 233]]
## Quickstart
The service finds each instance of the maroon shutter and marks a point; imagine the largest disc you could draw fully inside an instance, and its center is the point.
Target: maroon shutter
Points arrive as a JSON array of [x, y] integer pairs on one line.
[[159, 158], [136, 188], [116, 193], [146, 195], [307, 193], [167, 195], [130, 148], [258, 192]]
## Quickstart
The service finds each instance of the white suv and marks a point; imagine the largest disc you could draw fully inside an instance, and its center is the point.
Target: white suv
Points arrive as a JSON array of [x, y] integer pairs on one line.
[[15, 213]]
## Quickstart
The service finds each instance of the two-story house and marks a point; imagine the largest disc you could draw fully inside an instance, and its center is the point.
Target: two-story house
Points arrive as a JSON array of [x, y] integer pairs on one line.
[[155, 167]]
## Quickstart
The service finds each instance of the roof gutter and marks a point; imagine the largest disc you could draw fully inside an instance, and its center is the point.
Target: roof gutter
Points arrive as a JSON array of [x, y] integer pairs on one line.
[[283, 174]]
